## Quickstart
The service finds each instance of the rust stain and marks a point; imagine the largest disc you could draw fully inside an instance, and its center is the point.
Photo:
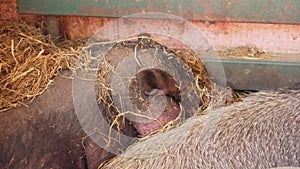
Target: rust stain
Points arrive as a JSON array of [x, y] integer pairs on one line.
[[277, 38]]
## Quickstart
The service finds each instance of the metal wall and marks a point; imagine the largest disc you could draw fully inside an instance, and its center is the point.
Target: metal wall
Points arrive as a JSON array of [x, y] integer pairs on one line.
[[266, 11]]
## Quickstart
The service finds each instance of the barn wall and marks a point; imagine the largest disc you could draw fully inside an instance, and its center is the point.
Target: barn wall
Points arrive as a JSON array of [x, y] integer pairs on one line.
[[8, 12], [278, 38]]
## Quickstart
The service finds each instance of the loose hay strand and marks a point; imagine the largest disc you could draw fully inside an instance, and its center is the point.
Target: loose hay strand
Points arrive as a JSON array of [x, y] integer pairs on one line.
[[29, 60]]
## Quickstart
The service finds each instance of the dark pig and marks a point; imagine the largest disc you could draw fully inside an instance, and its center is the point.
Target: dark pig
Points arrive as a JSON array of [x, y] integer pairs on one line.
[[263, 131], [156, 93], [47, 134]]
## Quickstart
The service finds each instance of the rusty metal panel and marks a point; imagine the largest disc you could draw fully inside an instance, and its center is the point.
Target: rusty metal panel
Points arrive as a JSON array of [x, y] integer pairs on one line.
[[257, 75], [266, 11]]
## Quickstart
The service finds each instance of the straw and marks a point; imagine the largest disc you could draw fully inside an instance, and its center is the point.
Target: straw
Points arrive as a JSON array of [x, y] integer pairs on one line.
[[29, 60]]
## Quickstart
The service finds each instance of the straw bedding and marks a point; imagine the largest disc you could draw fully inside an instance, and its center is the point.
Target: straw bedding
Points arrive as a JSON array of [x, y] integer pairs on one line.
[[142, 47], [28, 61]]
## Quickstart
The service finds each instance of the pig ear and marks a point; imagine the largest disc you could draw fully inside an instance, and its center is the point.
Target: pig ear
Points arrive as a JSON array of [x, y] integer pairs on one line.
[[147, 75]]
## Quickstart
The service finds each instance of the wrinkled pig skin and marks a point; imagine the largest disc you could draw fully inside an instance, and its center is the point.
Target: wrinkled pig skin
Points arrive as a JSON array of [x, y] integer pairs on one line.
[[170, 113], [47, 134], [262, 131], [151, 79], [159, 85]]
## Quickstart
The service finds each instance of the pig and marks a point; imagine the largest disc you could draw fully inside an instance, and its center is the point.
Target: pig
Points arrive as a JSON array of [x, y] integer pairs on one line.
[[262, 131], [157, 94], [156, 72], [47, 134]]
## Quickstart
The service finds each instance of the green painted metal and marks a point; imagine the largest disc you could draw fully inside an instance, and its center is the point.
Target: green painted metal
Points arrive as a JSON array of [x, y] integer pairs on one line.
[[240, 74], [257, 75], [266, 11]]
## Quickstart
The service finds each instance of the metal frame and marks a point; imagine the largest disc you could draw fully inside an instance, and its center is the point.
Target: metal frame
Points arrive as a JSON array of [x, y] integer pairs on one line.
[[240, 74]]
